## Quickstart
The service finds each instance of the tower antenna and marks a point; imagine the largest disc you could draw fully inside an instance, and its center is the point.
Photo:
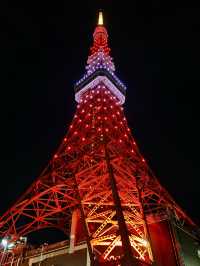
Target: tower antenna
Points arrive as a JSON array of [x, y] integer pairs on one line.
[[100, 19]]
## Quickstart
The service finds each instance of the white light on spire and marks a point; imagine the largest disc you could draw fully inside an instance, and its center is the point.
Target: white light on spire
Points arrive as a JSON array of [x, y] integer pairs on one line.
[[100, 20]]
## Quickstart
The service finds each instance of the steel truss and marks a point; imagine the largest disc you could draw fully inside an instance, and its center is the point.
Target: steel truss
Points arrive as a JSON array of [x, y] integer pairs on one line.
[[97, 176], [80, 168]]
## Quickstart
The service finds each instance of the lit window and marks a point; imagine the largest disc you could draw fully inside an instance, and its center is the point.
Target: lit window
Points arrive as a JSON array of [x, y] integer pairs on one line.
[[198, 253]]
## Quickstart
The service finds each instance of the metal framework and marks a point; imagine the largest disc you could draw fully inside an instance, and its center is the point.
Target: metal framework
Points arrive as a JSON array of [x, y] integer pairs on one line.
[[99, 173]]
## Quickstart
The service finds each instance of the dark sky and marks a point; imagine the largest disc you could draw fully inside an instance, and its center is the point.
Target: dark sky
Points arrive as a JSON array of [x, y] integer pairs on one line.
[[156, 50]]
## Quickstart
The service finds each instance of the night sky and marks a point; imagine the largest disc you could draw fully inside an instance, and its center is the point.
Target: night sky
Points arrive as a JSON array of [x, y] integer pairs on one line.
[[156, 50]]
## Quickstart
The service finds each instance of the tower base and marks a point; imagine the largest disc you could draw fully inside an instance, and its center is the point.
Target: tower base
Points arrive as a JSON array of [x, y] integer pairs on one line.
[[171, 245]]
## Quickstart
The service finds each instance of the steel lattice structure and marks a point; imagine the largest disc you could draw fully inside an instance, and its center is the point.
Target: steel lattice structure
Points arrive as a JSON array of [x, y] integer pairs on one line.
[[97, 176]]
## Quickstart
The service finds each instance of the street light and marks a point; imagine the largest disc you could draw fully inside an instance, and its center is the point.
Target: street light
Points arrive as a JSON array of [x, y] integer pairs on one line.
[[4, 243], [8, 245]]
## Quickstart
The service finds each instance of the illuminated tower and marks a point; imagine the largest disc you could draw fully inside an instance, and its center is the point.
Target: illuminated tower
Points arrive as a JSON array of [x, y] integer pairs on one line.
[[97, 187]]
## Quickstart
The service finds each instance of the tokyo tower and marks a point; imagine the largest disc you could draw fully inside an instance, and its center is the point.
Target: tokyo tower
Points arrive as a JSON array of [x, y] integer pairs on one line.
[[97, 187]]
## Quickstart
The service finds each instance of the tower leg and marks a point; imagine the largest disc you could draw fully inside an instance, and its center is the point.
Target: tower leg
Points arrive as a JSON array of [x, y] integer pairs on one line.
[[128, 259]]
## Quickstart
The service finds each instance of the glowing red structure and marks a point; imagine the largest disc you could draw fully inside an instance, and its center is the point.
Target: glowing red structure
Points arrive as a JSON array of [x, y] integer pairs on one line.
[[97, 186]]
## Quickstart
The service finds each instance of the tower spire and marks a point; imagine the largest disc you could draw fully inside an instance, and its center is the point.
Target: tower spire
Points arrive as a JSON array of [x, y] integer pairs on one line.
[[100, 37], [100, 19], [100, 66]]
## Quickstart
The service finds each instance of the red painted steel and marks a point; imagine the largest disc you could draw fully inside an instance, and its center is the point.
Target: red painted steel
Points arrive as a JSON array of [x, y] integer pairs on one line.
[[78, 177], [162, 244]]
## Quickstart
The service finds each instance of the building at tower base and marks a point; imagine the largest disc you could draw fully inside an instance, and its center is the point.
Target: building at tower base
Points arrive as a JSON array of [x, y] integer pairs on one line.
[[172, 245]]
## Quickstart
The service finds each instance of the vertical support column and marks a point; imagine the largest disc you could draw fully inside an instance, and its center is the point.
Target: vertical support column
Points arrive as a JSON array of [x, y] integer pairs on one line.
[[18, 261], [128, 259], [2, 254], [92, 258], [88, 259], [75, 218], [13, 257], [41, 255]]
